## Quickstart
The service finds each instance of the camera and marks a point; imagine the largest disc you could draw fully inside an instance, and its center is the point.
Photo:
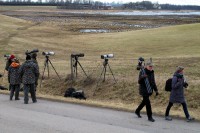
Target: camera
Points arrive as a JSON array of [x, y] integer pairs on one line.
[[140, 61], [7, 56], [31, 52], [77, 55], [48, 53], [106, 56]]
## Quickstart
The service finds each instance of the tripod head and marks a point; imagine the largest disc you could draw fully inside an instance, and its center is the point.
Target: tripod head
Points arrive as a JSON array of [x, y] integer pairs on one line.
[[105, 63]]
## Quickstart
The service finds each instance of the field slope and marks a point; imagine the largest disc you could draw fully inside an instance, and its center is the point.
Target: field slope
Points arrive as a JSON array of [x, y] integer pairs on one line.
[[168, 46]]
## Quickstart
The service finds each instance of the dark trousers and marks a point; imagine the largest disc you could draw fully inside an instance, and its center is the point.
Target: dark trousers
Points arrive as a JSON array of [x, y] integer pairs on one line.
[[146, 102], [184, 109], [29, 88], [14, 89]]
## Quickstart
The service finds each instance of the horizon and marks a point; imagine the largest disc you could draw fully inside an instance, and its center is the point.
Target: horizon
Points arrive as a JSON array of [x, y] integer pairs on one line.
[[172, 2]]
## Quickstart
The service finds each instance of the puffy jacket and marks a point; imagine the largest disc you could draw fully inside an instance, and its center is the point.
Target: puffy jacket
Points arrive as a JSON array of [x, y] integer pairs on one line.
[[29, 72], [13, 74]]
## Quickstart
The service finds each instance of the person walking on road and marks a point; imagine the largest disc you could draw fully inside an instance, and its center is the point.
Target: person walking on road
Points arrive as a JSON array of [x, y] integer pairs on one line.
[[29, 72], [143, 90], [177, 93]]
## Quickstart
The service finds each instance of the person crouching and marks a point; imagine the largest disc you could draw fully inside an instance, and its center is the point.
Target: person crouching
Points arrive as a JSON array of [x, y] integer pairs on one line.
[[14, 78]]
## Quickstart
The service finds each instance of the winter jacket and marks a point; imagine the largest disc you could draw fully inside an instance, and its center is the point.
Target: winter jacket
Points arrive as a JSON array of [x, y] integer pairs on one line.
[[29, 72], [177, 92], [13, 74], [142, 86]]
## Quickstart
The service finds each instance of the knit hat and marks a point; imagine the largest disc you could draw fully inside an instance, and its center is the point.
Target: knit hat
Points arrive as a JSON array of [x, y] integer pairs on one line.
[[179, 68], [11, 57], [149, 63]]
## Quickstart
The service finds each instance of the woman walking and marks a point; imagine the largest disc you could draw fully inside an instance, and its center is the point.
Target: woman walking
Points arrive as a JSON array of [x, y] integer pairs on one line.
[[177, 93]]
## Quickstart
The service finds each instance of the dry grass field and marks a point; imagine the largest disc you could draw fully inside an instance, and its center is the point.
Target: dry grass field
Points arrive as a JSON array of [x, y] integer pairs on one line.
[[168, 46]]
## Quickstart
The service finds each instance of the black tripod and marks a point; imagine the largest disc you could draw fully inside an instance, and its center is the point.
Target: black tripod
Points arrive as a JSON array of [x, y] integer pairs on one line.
[[74, 67], [46, 65], [105, 64]]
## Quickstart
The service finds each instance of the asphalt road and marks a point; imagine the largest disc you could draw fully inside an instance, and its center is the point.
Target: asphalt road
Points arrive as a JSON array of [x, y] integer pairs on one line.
[[54, 117]]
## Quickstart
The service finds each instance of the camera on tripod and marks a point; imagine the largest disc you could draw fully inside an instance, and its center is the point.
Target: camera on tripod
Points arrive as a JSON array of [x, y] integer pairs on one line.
[[106, 56], [48, 53], [7, 56], [31, 52], [140, 62], [77, 55]]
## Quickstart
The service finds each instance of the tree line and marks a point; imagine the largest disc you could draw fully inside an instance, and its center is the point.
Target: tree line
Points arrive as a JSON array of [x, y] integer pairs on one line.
[[91, 4]]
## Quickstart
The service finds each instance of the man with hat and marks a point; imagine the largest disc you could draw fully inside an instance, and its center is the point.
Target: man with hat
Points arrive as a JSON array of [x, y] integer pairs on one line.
[[29, 72], [146, 86], [177, 93]]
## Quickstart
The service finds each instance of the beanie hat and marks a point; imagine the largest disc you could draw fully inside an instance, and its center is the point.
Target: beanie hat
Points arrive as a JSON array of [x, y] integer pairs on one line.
[[11, 57], [179, 68]]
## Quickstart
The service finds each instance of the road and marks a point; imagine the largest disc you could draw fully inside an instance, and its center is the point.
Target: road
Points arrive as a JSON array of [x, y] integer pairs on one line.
[[55, 117]]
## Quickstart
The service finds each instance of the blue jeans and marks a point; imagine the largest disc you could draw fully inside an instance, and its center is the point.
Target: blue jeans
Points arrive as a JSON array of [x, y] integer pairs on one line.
[[29, 88]]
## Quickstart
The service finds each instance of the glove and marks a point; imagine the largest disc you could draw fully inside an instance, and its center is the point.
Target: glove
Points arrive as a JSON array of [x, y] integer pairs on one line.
[[185, 85], [157, 93]]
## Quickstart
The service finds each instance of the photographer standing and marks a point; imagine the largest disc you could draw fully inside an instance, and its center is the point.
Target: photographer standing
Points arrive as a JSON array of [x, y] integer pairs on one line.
[[34, 59], [9, 61], [14, 79], [177, 93], [146, 89], [29, 73]]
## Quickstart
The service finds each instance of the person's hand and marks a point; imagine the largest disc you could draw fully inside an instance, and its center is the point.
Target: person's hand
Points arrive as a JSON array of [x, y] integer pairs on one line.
[[185, 84]]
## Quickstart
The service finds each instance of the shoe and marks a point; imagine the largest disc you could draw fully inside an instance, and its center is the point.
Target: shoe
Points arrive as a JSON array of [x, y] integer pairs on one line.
[[17, 98], [25, 102], [35, 101], [190, 119], [151, 119], [168, 118], [138, 114]]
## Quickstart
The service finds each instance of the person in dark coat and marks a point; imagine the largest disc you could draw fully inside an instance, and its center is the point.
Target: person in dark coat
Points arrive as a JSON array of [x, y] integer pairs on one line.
[[29, 72], [14, 79], [177, 93], [146, 91], [34, 59]]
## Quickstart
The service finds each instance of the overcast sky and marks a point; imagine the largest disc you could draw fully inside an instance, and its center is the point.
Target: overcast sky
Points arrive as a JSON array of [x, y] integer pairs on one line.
[[177, 2]]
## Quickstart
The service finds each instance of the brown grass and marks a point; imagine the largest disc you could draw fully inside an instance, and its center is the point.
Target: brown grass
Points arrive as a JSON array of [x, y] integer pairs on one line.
[[169, 47]]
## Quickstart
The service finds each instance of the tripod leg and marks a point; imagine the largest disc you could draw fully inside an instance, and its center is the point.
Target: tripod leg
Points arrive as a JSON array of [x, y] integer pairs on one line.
[[112, 73], [100, 75], [82, 68], [99, 80], [104, 78], [43, 74], [54, 69], [48, 68]]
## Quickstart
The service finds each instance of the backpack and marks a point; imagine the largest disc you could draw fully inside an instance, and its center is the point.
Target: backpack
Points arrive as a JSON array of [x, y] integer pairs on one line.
[[69, 91], [168, 85], [79, 94]]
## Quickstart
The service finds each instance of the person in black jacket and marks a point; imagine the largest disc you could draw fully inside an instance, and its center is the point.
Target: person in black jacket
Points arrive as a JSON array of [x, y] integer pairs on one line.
[[146, 89]]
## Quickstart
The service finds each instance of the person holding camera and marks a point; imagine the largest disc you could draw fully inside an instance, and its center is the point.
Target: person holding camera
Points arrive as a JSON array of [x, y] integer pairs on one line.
[[29, 72], [177, 93], [146, 89], [14, 78]]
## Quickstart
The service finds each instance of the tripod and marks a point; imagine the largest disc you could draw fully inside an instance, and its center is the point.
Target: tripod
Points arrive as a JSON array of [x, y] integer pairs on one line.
[[46, 65], [74, 68], [105, 64]]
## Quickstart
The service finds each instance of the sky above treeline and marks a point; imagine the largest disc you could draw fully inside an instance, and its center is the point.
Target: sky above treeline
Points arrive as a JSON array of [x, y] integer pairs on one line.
[[175, 2]]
